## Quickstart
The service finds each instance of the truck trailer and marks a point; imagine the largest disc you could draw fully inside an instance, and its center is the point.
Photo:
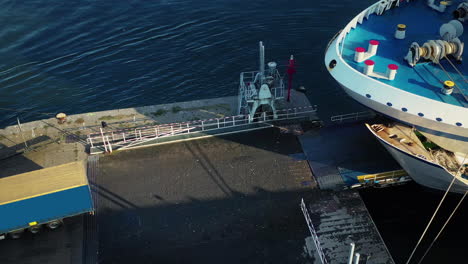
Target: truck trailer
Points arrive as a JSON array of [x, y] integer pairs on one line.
[[43, 198]]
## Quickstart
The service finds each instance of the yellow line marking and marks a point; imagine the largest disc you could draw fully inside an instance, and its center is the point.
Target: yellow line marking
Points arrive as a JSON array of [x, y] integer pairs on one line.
[[41, 194]]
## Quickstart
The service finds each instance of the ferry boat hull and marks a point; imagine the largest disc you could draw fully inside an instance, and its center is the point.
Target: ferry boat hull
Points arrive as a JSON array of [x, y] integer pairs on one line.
[[423, 172], [422, 124]]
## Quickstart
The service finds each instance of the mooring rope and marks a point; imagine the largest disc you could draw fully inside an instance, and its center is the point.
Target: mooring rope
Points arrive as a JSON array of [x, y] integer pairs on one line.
[[435, 213]]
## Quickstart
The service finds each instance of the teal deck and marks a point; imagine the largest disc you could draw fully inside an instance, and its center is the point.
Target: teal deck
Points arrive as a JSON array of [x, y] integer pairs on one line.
[[423, 24], [41, 209]]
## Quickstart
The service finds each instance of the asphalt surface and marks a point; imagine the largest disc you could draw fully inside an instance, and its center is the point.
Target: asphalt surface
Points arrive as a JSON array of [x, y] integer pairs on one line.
[[230, 199], [63, 245]]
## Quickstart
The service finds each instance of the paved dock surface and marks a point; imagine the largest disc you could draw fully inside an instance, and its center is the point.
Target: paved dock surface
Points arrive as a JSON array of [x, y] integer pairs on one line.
[[63, 245], [229, 199], [335, 153]]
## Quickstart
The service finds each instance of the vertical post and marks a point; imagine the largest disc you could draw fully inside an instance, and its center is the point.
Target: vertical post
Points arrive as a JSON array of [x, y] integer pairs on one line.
[[356, 259], [139, 132], [110, 146], [123, 135], [103, 139], [155, 132], [172, 129], [21, 131], [113, 138], [264, 116], [351, 253], [202, 125], [90, 141], [188, 128], [262, 61], [248, 117], [217, 119]]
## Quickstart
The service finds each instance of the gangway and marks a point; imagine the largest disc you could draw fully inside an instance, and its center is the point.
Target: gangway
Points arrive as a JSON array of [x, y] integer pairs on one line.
[[107, 141]]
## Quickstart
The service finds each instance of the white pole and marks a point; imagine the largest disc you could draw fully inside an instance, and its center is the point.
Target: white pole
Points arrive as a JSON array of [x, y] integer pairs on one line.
[[262, 61], [351, 253], [21, 131], [110, 146], [356, 260], [103, 139]]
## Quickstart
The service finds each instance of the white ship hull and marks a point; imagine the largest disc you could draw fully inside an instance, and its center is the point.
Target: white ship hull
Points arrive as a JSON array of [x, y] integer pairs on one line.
[[424, 172]]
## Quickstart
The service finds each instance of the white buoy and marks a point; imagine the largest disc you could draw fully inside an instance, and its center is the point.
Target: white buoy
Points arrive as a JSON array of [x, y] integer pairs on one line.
[[369, 67], [400, 32], [391, 71]]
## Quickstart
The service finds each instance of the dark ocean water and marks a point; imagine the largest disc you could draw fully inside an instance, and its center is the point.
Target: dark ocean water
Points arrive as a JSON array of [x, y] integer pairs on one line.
[[81, 56]]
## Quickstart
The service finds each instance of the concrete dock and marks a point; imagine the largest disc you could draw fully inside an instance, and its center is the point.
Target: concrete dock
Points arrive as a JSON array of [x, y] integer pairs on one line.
[[229, 198]]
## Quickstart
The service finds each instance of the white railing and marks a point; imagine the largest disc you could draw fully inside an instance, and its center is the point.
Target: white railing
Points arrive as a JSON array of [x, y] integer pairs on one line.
[[248, 92], [107, 141], [313, 233], [377, 8], [352, 116]]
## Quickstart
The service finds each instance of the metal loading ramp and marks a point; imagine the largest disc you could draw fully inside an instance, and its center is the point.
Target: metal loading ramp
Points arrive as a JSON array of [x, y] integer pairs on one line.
[[337, 219]]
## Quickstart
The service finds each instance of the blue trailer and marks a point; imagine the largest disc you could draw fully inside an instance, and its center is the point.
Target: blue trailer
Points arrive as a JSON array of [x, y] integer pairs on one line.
[[43, 198]]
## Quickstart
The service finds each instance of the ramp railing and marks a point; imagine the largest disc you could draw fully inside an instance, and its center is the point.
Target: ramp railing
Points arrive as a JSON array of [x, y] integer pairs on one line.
[[110, 140], [313, 233], [352, 116]]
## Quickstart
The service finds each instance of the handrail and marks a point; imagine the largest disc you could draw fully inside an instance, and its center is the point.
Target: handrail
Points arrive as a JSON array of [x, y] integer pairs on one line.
[[377, 8], [125, 138]]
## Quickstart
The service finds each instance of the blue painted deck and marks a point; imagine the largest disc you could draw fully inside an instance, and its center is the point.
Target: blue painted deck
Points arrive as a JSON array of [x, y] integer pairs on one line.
[[423, 24], [44, 208]]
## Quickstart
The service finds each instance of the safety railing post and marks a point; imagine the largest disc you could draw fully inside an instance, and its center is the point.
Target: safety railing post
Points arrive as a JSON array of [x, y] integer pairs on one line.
[[217, 119], [123, 136], [110, 146], [113, 138], [264, 116], [172, 130], [103, 139]]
